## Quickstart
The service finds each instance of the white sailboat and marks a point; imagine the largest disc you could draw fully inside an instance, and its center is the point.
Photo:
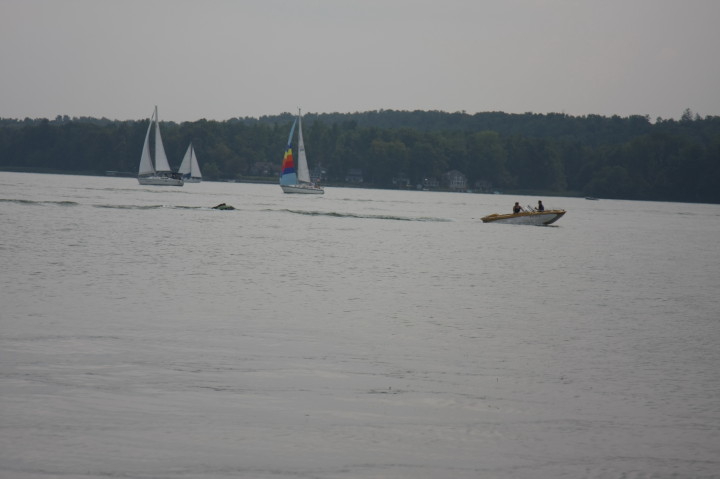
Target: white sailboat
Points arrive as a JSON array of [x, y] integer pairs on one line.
[[160, 174], [189, 169], [292, 180]]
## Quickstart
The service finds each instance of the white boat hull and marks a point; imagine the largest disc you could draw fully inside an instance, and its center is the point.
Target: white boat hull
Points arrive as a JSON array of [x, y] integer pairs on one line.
[[536, 218], [303, 189], [160, 181]]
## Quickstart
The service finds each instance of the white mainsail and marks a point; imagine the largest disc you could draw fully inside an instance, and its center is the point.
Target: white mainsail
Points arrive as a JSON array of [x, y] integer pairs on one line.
[[146, 166], [161, 161], [303, 172]]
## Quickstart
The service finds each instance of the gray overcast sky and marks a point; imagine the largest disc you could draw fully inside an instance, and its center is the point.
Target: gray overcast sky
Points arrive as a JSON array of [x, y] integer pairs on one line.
[[219, 59]]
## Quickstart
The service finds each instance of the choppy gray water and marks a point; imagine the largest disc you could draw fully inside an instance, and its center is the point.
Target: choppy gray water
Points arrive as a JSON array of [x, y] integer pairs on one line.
[[361, 334]]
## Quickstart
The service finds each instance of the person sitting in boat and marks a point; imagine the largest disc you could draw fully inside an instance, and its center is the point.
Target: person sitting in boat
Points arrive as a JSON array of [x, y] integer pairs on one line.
[[540, 206], [517, 208]]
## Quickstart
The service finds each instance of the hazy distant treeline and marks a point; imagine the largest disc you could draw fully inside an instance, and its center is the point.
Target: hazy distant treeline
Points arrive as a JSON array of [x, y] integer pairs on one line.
[[608, 157]]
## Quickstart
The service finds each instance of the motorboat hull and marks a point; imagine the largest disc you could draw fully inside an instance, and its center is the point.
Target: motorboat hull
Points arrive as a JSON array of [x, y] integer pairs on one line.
[[536, 218]]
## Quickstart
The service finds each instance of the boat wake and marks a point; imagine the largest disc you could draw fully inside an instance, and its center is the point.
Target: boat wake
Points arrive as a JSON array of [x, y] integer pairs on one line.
[[365, 216], [334, 214], [154, 207], [32, 202]]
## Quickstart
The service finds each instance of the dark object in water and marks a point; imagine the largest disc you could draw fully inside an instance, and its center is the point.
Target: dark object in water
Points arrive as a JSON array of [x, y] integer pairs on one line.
[[223, 206]]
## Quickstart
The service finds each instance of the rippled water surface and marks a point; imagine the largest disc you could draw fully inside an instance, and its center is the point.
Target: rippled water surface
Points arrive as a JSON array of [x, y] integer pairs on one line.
[[361, 334]]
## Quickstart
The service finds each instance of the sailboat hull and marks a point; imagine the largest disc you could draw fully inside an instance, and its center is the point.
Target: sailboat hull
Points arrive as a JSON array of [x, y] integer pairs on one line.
[[192, 180], [302, 189], [160, 181]]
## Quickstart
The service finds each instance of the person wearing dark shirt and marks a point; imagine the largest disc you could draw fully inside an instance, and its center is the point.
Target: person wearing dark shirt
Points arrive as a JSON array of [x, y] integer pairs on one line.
[[517, 208], [540, 206]]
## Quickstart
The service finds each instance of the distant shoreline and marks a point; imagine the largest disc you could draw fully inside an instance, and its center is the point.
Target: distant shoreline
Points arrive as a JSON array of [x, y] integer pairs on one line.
[[272, 181]]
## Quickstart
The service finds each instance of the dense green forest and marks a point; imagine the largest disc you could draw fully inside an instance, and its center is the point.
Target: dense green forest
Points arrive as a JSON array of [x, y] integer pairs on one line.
[[553, 154]]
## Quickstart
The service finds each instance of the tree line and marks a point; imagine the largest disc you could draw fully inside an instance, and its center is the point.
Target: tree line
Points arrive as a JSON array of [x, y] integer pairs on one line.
[[609, 157]]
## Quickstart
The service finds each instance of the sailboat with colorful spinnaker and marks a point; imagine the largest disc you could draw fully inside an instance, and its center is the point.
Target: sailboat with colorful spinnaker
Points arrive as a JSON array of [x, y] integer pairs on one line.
[[292, 179]]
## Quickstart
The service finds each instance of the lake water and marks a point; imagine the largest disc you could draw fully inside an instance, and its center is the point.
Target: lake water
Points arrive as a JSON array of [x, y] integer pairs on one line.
[[360, 334]]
